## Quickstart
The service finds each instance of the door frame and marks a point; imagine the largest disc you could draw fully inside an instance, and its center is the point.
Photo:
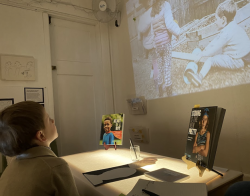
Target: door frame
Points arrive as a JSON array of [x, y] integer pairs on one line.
[[103, 60]]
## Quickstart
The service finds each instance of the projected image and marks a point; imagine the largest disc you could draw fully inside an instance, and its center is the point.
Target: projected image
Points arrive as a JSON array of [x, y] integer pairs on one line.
[[186, 46]]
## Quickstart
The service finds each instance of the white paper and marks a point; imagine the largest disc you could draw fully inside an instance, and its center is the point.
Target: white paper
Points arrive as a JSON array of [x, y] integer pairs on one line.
[[34, 94], [168, 188]]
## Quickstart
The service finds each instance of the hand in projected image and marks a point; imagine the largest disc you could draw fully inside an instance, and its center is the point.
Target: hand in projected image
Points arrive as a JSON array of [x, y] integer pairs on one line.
[[143, 162], [197, 57]]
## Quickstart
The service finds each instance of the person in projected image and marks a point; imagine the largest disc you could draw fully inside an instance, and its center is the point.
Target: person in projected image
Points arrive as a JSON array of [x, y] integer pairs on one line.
[[108, 136], [202, 138], [144, 29], [230, 49], [163, 27], [146, 35], [26, 132]]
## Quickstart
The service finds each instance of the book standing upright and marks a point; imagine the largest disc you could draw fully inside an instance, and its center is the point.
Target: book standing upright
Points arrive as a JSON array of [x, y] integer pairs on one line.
[[203, 135]]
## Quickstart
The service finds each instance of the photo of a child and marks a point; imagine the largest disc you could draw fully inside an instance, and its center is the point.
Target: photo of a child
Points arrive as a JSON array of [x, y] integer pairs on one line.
[[181, 47], [112, 129], [163, 27], [108, 136], [202, 138], [227, 50]]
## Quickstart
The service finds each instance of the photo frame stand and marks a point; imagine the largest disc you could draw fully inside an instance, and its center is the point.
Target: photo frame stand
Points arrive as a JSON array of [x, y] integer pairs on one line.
[[108, 146], [201, 168]]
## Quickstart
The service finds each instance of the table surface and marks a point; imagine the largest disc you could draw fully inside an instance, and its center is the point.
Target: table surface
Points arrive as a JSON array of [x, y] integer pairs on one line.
[[102, 159]]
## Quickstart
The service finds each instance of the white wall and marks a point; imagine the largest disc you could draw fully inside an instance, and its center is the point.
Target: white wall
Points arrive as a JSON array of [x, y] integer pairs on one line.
[[76, 9], [27, 36], [168, 118], [25, 31]]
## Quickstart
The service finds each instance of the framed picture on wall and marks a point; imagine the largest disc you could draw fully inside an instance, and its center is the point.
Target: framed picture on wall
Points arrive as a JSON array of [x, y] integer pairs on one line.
[[5, 103], [34, 94], [15, 67]]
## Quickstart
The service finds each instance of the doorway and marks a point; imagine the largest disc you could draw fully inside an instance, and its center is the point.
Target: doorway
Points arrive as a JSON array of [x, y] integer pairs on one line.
[[77, 86]]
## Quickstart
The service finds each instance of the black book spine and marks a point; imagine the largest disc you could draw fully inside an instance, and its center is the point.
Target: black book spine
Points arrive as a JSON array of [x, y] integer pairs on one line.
[[213, 117], [215, 140]]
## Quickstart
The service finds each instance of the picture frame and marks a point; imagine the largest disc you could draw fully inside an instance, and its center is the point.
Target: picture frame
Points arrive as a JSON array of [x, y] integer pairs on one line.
[[34, 94], [6, 102]]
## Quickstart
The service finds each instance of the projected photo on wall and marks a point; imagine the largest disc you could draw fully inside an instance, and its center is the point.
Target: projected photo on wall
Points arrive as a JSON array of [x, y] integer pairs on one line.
[[186, 46]]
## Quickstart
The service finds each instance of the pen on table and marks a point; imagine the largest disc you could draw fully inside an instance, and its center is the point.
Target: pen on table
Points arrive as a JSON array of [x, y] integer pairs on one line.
[[149, 192], [131, 143]]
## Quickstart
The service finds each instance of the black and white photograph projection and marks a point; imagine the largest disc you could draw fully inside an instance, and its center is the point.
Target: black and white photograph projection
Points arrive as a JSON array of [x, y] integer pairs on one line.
[[187, 46]]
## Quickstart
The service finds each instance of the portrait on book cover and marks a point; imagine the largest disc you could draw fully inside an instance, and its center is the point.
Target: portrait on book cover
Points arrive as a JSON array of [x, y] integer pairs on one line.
[[201, 147], [202, 137], [112, 129], [199, 134]]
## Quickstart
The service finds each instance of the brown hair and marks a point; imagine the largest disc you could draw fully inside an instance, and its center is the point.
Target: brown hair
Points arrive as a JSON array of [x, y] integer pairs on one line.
[[108, 118], [19, 124], [157, 6], [227, 9]]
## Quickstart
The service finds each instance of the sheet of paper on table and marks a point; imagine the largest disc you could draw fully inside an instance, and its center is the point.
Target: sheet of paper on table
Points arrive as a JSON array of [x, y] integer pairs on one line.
[[113, 174], [169, 188]]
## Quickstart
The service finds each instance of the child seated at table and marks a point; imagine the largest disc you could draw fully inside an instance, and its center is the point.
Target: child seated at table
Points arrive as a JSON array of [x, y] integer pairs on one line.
[[229, 49], [26, 131]]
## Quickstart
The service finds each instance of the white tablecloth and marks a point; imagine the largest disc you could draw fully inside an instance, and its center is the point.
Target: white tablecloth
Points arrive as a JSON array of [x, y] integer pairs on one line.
[[102, 159]]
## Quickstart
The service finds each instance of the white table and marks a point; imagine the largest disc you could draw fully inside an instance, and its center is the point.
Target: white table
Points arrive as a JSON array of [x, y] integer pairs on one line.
[[102, 159]]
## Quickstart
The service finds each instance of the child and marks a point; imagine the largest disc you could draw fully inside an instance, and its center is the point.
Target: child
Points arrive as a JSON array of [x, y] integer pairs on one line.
[[163, 26], [146, 35], [26, 131], [108, 137], [229, 48], [202, 138]]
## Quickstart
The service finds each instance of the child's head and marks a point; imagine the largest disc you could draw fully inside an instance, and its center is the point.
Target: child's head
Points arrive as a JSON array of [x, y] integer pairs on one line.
[[107, 124], [225, 13], [204, 122], [22, 126], [156, 6]]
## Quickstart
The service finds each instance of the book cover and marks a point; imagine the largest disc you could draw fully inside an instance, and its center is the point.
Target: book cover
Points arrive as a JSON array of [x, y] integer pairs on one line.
[[167, 175], [203, 134], [112, 129]]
